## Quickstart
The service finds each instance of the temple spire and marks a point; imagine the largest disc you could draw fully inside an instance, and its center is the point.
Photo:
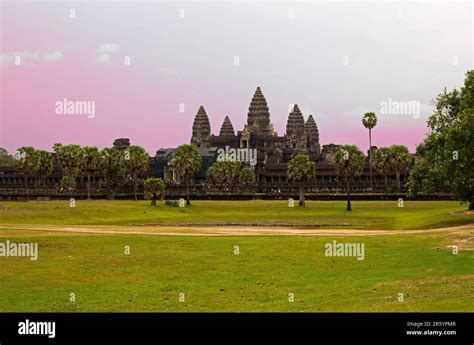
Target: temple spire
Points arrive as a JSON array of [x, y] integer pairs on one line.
[[227, 129], [295, 123], [201, 129], [312, 133], [258, 118]]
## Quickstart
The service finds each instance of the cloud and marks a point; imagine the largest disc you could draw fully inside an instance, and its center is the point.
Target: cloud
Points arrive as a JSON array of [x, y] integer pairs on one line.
[[53, 57], [7, 59], [108, 48], [105, 52], [103, 58]]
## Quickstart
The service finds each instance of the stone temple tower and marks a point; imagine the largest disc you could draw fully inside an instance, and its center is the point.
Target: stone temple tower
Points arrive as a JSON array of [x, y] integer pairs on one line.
[[296, 138], [312, 133], [201, 129], [258, 118], [227, 129]]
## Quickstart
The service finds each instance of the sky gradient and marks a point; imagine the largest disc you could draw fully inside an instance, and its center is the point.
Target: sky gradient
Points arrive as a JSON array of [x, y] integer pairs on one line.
[[335, 60]]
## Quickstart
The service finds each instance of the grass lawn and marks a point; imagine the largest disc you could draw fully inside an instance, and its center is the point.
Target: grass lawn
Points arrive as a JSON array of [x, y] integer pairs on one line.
[[318, 214], [260, 278], [213, 278]]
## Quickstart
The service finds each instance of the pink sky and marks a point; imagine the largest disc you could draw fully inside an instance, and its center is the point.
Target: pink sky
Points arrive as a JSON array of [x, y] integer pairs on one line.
[[190, 61]]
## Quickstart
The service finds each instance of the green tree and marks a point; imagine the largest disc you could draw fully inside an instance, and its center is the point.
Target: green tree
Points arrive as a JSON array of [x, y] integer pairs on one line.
[[445, 157], [224, 171], [26, 162], [68, 183], [301, 170], [43, 165], [112, 166], [382, 162], [187, 162], [136, 162], [6, 160], [349, 162], [247, 175], [400, 160], [370, 121], [71, 160], [90, 165], [155, 187]]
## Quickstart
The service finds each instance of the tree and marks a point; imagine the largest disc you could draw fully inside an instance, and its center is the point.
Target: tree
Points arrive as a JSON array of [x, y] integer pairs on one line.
[[349, 164], [301, 170], [136, 162], [400, 160], [25, 162], [370, 121], [44, 165], [71, 160], [382, 163], [6, 160], [155, 187], [224, 171], [187, 162], [247, 175], [91, 164], [445, 157], [113, 168], [68, 183]]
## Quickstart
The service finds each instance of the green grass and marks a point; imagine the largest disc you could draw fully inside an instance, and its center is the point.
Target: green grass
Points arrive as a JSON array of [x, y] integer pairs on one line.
[[322, 214], [268, 268]]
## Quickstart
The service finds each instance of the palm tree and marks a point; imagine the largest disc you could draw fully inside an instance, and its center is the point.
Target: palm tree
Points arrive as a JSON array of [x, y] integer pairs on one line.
[[247, 175], [400, 159], [224, 171], [71, 160], [26, 162], [113, 168], [382, 162], [187, 162], [154, 187], [136, 162], [91, 164], [45, 165], [370, 121], [349, 163], [6, 160], [301, 169]]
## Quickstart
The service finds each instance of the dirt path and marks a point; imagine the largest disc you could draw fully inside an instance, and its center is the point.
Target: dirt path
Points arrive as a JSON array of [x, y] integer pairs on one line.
[[227, 230]]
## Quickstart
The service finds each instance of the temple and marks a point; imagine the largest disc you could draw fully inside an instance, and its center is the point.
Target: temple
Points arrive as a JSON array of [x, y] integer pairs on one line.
[[273, 151]]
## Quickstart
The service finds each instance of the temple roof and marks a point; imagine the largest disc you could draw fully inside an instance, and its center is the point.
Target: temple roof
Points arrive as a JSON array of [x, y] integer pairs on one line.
[[201, 124], [258, 117], [295, 124], [312, 128], [227, 129]]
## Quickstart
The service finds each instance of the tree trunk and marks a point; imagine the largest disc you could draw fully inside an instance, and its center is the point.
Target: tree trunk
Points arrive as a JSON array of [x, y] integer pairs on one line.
[[398, 181], [135, 186], [370, 157], [88, 186], [302, 201], [188, 200], [386, 182], [471, 206], [153, 199], [349, 208]]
